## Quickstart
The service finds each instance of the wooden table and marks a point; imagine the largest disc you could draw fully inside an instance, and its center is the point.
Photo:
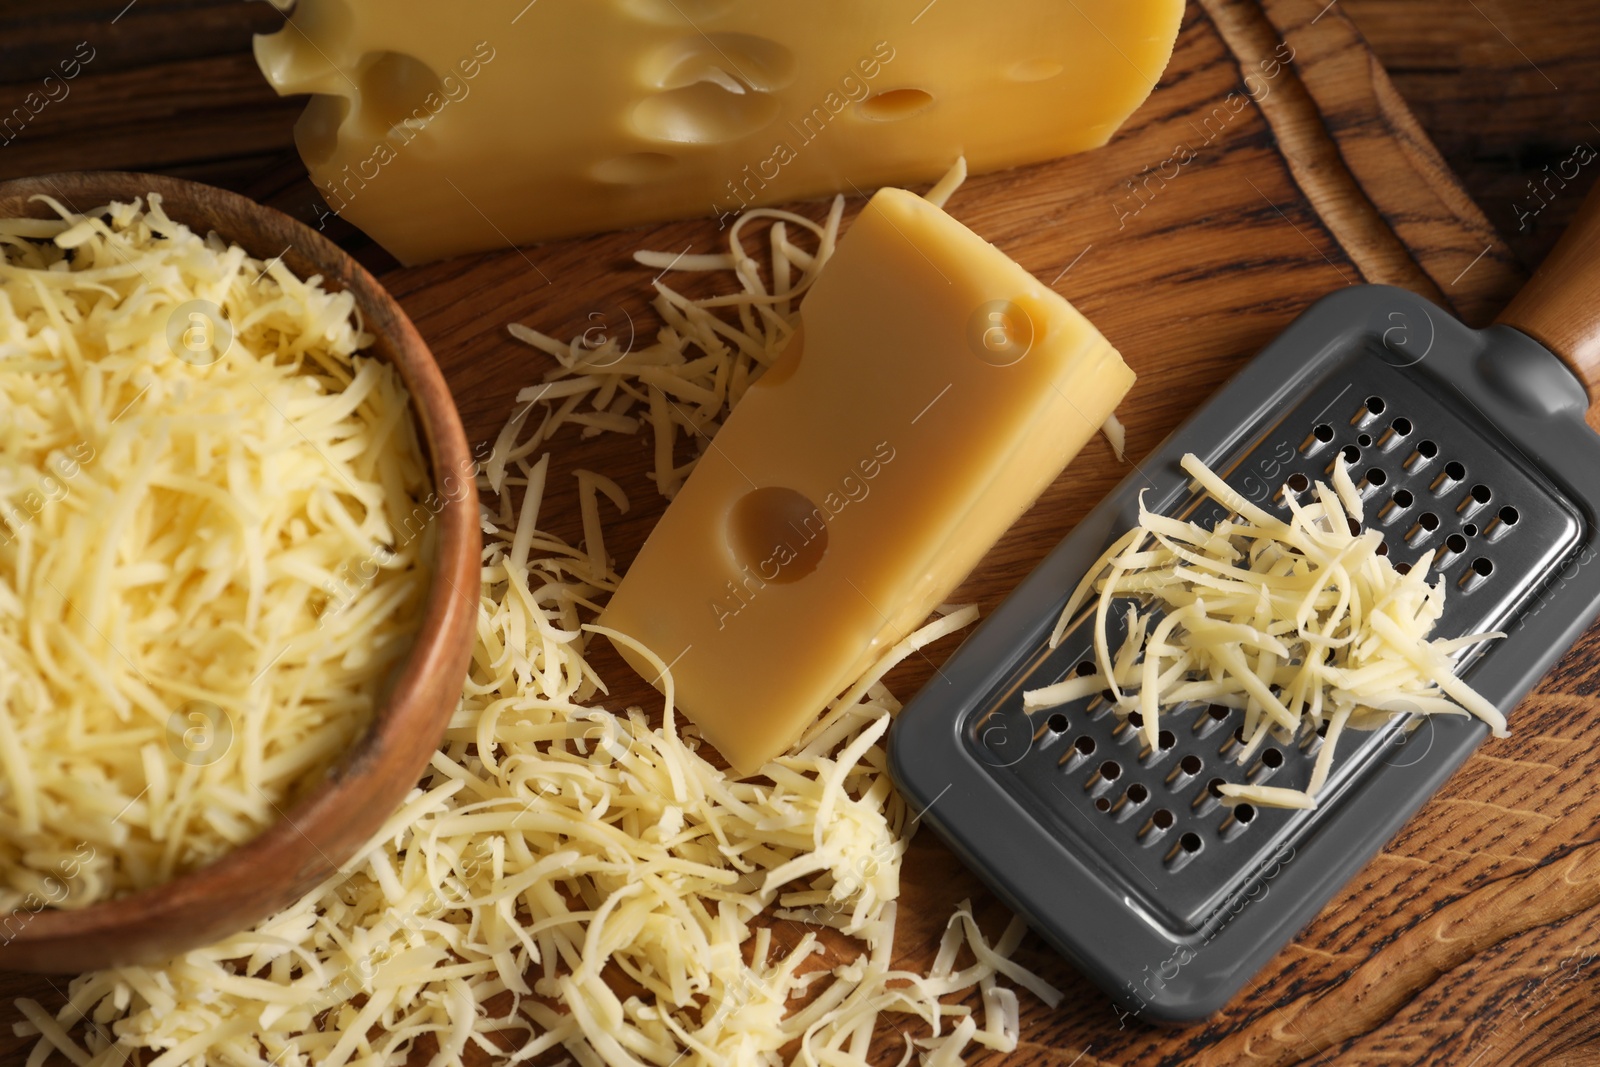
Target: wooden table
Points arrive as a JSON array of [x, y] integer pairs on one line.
[[1471, 936]]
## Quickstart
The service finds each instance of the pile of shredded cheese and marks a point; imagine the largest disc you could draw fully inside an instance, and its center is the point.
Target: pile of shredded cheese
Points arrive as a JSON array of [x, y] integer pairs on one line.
[[1303, 623], [700, 364], [206, 568], [572, 879]]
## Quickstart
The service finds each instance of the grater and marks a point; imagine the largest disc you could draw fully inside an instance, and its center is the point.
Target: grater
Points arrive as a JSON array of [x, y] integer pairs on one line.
[[1118, 852]]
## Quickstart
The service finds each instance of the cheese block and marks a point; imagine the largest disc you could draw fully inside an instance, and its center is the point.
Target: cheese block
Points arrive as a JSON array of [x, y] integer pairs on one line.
[[931, 392], [446, 128]]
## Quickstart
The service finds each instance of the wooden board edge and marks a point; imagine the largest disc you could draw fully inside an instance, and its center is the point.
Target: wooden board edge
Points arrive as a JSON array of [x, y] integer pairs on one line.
[[1362, 159], [1380, 144], [1274, 81]]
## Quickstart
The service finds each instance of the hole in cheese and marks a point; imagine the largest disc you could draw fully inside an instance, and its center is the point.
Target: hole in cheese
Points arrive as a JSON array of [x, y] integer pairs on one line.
[[896, 104], [1035, 70], [727, 59], [788, 360], [703, 113], [634, 168], [393, 88], [316, 132], [778, 534], [676, 12]]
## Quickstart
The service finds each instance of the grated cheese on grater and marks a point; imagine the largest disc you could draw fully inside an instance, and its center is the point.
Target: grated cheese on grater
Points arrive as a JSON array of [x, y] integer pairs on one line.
[[206, 571], [1304, 624], [572, 879]]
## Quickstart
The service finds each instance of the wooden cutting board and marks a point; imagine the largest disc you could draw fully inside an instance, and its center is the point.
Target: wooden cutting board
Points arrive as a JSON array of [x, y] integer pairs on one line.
[[1247, 187]]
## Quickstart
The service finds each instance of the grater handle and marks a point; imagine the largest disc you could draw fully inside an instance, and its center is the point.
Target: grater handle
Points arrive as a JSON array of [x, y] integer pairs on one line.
[[1560, 306]]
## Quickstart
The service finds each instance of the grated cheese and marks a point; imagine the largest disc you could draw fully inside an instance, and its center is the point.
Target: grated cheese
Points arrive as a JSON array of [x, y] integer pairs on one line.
[[1116, 436], [208, 565], [700, 364], [946, 186], [572, 879], [1303, 623]]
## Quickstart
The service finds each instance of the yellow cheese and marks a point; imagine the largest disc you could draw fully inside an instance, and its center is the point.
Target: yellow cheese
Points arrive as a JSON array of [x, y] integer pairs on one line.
[[442, 128], [214, 547], [933, 389]]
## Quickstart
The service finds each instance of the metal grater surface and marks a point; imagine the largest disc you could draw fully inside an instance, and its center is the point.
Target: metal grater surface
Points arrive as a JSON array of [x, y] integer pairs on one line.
[[1430, 478], [1121, 857]]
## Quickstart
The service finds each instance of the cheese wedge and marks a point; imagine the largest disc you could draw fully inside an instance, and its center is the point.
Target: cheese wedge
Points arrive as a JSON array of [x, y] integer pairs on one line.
[[446, 128], [932, 391]]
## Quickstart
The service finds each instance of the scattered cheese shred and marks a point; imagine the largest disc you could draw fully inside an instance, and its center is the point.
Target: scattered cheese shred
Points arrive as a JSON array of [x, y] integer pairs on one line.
[[572, 879], [700, 364], [1116, 436], [1303, 623], [946, 186], [211, 553]]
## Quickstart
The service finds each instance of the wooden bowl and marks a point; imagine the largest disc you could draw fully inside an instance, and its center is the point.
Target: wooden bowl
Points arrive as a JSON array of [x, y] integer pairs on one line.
[[338, 815]]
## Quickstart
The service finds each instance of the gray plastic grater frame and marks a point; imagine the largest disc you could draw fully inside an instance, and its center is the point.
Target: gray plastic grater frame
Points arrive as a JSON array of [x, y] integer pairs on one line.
[[1168, 962]]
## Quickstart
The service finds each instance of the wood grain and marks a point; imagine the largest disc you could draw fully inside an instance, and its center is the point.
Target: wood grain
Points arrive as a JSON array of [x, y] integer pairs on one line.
[[1561, 304], [1465, 941], [1409, 185], [340, 811], [1505, 88]]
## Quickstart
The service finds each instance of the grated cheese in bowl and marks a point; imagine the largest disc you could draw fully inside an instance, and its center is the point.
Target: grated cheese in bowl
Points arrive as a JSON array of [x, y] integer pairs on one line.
[[1303, 623], [206, 571], [576, 881]]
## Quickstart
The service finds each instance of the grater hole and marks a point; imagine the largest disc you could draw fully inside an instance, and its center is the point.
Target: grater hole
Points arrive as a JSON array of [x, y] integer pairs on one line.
[[1402, 568], [1214, 787], [1217, 712], [1102, 804], [1137, 794], [1351, 453], [1238, 734], [1084, 745], [1163, 819], [1456, 543], [1322, 727], [1111, 770], [1245, 813], [1403, 498], [1190, 842], [1364, 440], [1455, 470], [1323, 433], [1428, 521], [1166, 739], [1298, 482], [1470, 529], [1509, 516], [1057, 723], [1482, 493], [1401, 427], [1375, 405], [1427, 449], [1084, 669], [1475, 575], [1355, 527], [1375, 476], [1135, 719], [1383, 548], [1191, 764], [1272, 758]]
